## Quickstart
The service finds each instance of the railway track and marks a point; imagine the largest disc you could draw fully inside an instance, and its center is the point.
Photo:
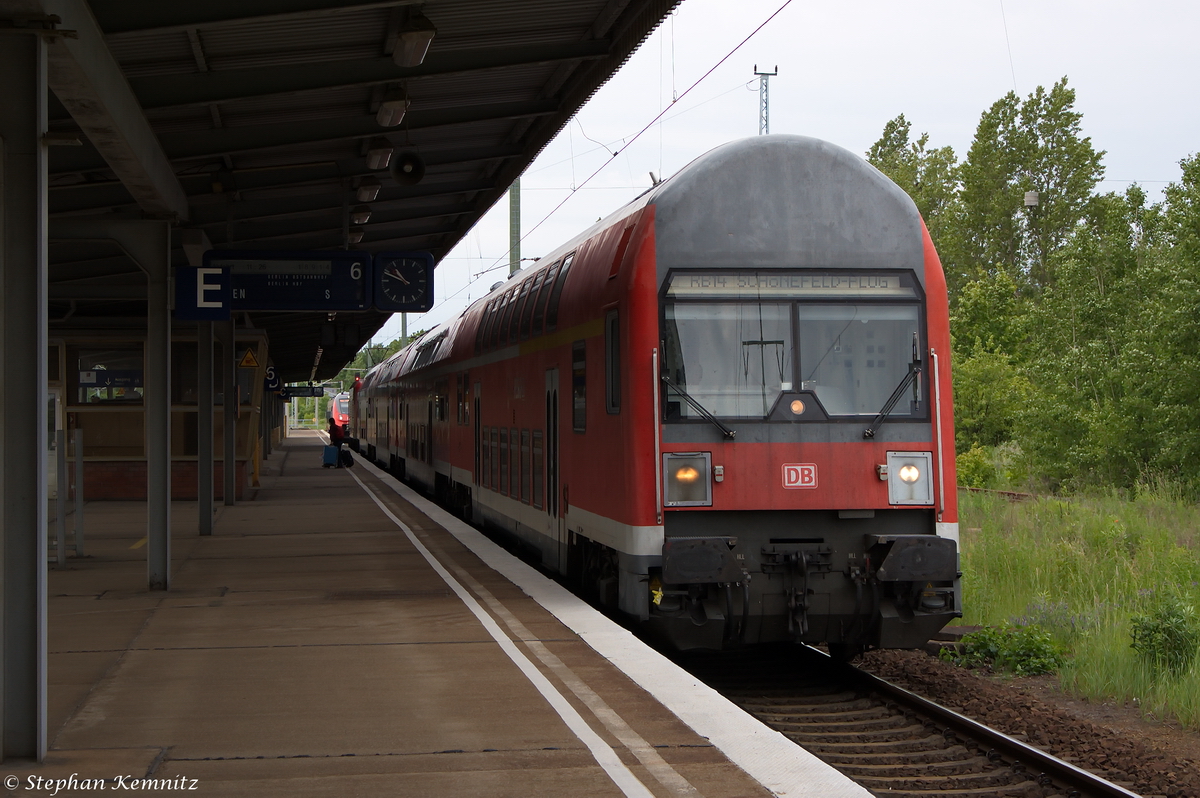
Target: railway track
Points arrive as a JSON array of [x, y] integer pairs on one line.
[[889, 740]]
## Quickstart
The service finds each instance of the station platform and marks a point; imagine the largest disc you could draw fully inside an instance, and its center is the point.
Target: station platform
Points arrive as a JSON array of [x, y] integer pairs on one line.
[[339, 635]]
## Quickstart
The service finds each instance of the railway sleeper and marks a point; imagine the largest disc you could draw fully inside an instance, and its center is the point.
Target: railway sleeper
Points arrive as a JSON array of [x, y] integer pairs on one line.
[[909, 769], [844, 702], [836, 728], [834, 735], [872, 716], [932, 758], [1000, 777], [1025, 789], [819, 745]]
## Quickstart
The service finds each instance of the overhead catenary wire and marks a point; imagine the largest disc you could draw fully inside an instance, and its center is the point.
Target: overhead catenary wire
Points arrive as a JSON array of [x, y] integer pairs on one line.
[[626, 143], [658, 116]]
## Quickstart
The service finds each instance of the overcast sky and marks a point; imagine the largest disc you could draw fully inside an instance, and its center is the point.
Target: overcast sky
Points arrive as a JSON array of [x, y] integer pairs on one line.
[[845, 69]]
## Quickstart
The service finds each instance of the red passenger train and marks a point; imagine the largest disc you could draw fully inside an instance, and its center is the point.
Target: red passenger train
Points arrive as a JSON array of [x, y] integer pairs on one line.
[[724, 410]]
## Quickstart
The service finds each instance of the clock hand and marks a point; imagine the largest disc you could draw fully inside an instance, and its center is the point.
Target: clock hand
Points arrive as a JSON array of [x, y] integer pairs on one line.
[[396, 273]]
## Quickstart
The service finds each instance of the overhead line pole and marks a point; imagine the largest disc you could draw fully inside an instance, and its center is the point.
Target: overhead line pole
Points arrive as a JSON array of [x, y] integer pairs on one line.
[[764, 104], [514, 227]]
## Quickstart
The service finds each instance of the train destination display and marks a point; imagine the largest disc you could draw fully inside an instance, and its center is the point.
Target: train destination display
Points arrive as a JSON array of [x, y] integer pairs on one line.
[[760, 285], [327, 281]]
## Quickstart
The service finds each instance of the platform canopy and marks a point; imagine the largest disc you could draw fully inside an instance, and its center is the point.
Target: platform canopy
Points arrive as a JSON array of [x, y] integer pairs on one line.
[[255, 124]]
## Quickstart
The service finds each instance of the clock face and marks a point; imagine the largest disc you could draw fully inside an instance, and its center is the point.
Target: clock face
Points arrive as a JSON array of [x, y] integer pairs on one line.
[[404, 283]]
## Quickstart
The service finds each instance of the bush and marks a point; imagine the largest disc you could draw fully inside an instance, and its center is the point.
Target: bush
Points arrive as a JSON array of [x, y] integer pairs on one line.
[[975, 468], [1021, 650], [1168, 637]]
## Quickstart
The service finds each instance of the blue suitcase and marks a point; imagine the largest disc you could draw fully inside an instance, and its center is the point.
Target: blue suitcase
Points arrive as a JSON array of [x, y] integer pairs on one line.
[[330, 457]]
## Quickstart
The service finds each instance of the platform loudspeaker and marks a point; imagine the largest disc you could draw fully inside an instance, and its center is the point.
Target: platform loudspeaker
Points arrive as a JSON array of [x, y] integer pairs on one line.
[[407, 168]]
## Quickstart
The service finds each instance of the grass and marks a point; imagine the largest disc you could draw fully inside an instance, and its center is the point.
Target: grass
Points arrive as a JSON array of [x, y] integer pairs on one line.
[[1083, 568]]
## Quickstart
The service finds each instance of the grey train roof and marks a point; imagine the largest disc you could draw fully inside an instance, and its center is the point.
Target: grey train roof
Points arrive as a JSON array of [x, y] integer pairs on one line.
[[785, 201]]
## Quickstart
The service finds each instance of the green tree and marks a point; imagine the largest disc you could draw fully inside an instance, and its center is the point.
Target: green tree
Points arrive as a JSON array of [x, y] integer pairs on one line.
[[370, 356], [929, 176], [1035, 145], [990, 394]]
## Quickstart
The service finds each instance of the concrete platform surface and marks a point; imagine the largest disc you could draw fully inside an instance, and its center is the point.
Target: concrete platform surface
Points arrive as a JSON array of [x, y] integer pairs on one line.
[[339, 636]]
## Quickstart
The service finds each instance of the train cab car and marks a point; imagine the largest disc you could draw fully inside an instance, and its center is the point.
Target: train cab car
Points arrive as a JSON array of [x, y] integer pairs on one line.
[[724, 410]]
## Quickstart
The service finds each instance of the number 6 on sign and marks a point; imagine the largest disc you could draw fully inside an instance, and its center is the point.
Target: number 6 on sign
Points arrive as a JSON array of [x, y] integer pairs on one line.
[[799, 475]]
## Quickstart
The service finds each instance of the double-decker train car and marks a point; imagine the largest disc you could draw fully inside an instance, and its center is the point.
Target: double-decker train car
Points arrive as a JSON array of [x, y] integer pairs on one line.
[[724, 410]]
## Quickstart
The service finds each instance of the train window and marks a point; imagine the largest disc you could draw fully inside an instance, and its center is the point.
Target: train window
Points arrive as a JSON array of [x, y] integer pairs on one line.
[[556, 293], [579, 386], [527, 308], [853, 356], [506, 319], [619, 255], [612, 363], [495, 459], [497, 317], [734, 359], [480, 334], [539, 307], [537, 468], [504, 460], [525, 474], [488, 318], [518, 310]]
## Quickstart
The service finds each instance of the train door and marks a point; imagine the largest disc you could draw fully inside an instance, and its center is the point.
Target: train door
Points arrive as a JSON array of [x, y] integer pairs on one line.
[[555, 523], [429, 436], [478, 431]]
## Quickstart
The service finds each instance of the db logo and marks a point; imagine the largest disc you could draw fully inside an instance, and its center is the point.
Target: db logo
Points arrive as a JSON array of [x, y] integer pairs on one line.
[[799, 475]]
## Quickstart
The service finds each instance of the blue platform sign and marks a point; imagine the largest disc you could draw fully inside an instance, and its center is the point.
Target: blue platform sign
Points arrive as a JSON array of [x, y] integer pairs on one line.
[[325, 281], [202, 294]]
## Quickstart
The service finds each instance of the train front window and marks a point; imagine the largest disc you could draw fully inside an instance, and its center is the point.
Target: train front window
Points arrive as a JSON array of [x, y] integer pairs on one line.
[[733, 358], [853, 356]]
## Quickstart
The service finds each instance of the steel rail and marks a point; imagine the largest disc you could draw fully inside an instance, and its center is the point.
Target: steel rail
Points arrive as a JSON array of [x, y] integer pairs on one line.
[[1062, 772]]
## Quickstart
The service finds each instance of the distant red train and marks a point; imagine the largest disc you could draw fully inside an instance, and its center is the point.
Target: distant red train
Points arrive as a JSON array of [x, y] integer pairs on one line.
[[724, 411]]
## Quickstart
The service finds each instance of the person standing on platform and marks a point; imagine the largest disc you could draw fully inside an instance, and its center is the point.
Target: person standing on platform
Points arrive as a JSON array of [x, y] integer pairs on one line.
[[336, 436]]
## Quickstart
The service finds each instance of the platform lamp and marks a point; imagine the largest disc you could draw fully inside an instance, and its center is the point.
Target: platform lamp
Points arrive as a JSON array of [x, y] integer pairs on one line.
[[360, 214], [355, 236], [392, 108], [413, 40], [379, 153], [368, 190]]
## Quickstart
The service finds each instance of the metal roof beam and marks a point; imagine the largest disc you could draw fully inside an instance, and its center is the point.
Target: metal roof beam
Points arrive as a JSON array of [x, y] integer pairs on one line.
[[228, 85], [192, 145], [259, 212], [86, 78], [132, 17], [300, 230]]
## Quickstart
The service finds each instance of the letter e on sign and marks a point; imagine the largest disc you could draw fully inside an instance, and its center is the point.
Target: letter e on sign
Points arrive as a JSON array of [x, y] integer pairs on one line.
[[799, 475]]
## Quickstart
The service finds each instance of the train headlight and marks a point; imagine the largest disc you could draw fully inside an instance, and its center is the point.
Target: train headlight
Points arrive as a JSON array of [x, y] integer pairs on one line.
[[688, 479], [908, 478]]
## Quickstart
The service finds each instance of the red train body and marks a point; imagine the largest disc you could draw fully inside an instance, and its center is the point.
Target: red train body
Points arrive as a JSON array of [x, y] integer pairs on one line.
[[725, 410]]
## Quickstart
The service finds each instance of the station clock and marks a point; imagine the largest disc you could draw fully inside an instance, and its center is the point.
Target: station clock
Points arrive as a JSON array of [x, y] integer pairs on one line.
[[404, 281]]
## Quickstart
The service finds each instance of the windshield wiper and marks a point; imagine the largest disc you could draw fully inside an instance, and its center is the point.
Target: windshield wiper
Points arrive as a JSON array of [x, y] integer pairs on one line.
[[914, 371], [699, 408]]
